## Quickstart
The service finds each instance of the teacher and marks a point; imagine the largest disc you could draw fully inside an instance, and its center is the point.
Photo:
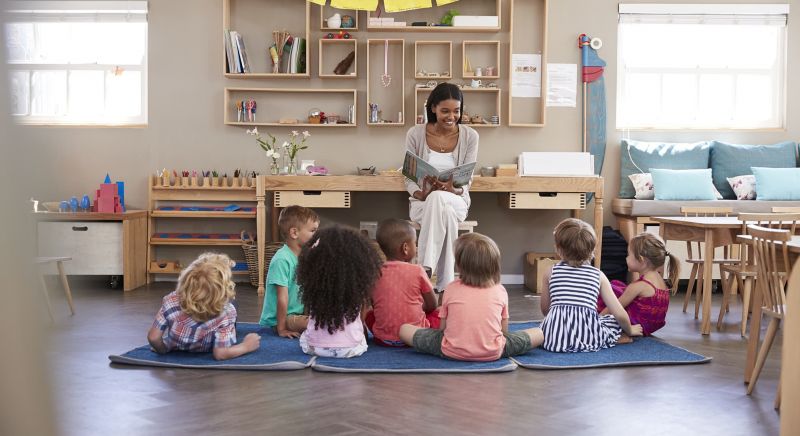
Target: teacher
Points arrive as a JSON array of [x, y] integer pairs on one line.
[[439, 206]]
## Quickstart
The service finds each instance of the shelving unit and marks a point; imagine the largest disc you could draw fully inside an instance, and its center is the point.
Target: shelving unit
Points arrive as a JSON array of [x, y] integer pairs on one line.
[[390, 99], [283, 103], [434, 15], [486, 98], [182, 192], [438, 60], [333, 51], [527, 39], [480, 54], [328, 11], [248, 18]]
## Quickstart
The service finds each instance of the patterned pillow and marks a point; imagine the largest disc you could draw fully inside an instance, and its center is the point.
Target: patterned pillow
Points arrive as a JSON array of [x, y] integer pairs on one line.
[[744, 186], [643, 184]]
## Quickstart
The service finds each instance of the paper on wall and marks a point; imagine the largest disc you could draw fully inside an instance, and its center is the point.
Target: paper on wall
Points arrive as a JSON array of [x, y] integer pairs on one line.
[[526, 75], [562, 84]]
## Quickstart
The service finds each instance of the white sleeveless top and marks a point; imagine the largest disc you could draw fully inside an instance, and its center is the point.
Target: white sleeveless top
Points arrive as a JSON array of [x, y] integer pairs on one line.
[[441, 161]]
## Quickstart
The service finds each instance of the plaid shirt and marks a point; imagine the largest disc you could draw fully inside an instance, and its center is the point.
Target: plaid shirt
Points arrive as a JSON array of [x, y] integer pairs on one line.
[[181, 332]]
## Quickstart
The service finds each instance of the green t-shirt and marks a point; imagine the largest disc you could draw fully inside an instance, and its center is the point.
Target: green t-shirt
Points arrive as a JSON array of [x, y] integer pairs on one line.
[[282, 269]]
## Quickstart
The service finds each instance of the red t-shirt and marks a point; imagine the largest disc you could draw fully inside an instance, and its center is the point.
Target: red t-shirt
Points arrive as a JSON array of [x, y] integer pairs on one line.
[[474, 317], [397, 299]]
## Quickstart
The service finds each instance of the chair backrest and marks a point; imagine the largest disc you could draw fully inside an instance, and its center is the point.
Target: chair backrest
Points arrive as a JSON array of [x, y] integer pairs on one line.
[[770, 220], [772, 260], [706, 211], [701, 212]]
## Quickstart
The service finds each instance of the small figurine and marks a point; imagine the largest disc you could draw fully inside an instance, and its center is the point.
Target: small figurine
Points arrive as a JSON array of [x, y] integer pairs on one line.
[[239, 111], [373, 113], [252, 114], [348, 22]]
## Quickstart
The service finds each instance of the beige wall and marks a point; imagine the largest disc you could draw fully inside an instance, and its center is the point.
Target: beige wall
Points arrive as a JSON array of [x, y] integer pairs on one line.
[[186, 130]]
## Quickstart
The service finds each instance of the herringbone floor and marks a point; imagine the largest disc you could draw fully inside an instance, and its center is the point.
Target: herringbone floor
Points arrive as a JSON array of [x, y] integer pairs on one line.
[[97, 398]]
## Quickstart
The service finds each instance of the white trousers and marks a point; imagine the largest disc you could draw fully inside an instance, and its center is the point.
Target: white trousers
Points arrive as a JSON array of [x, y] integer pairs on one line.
[[438, 217]]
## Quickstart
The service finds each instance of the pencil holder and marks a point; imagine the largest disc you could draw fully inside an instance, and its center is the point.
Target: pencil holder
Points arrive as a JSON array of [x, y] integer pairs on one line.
[[193, 181], [215, 181], [235, 182], [206, 181], [165, 181], [185, 181]]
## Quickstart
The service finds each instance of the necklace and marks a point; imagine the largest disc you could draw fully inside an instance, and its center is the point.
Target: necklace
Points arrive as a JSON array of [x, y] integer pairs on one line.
[[441, 139]]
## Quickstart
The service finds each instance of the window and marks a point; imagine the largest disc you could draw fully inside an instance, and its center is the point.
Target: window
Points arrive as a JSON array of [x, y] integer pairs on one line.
[[700, 66], [78, 62]]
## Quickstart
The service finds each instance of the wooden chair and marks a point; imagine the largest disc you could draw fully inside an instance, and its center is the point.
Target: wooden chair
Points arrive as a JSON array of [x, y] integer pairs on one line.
[[743, 274], [695, 276], [772, 262], [59, 265]]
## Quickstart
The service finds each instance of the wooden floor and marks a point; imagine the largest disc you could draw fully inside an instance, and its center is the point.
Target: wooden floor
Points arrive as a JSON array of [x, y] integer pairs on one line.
[[96, 397]]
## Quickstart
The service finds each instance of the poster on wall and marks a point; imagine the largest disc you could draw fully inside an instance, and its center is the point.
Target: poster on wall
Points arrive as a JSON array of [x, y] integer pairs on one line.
[[562, 84], [526, 75]]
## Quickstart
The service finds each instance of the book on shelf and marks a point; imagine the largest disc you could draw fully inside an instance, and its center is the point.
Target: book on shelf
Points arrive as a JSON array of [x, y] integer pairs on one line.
[[244, 66], [416, 169], [226, 36], [297, 57], [286, 55]]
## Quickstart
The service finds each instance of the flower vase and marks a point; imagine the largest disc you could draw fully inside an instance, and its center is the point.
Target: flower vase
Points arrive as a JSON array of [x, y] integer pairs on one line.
[[292, 169], [274, 169]]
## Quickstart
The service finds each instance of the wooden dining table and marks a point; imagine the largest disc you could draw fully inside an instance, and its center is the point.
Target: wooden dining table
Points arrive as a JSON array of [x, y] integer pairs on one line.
[[755, 317], [714, 232]]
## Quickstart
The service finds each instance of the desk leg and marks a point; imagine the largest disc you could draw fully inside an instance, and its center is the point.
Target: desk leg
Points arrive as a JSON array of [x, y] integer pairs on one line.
[[261, 231], [708, 263], [755, 330], [598, 229]]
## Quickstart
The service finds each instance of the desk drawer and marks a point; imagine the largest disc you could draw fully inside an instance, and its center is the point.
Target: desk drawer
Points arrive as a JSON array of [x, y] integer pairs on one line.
[[312, 199], [545, 200], [95, 247]]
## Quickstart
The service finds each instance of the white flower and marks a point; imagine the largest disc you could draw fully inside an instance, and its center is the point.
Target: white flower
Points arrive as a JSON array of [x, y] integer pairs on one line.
[[286, 143], [253, 132], [295, 133], [276, 155], [306, 134], [270, 153]]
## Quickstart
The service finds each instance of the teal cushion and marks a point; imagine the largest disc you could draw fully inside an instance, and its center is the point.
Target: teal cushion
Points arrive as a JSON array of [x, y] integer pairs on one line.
[[683, 184], [777, 183], [648, 155], [731, 160]]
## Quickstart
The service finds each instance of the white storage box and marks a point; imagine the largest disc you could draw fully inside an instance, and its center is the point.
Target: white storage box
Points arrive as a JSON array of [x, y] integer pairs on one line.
[[95, 247], [475, 21], [556, 164]]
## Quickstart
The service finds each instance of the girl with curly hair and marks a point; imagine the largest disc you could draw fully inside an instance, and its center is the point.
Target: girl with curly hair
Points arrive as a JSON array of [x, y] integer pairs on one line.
[[336, 271]]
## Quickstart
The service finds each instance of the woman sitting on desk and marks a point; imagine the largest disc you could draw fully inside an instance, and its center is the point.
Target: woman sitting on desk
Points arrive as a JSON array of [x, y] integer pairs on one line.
[[439, 206]]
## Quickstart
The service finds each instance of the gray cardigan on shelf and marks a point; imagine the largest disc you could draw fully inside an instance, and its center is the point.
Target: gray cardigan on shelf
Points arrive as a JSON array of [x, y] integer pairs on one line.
[[466, 151]]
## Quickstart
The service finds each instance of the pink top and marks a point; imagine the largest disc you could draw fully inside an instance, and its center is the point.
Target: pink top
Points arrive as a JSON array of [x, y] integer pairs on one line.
[[650, 312], [397, 299], [474, 321], [350, 336]]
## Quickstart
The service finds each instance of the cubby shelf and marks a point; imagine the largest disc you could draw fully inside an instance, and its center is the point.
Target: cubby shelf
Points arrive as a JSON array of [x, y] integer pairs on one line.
[[465, 7], [335, 46], [342, 12], [430, 46], [468, 51], [326, 100], [239, 15], [468, 102], [527, 39], [395, 102]]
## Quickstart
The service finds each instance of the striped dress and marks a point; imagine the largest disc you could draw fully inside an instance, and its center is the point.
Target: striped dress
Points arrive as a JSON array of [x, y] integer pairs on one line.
[[573, 323]]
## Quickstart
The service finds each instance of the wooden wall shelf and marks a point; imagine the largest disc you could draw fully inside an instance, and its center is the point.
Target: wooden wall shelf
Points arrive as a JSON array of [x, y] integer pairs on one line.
[[480, 54], [434, 14], [391, 99], [438, 58], [328, 11], [527, 39], [289, 103], [485, 101], [333, 51]]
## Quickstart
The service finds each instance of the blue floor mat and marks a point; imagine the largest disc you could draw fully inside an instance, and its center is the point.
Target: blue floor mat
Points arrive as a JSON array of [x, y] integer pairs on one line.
[[399, 360], [643, 351], [275, 353]]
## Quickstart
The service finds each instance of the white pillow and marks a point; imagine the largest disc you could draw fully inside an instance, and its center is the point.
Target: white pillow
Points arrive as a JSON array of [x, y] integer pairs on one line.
[[643, 184], [744, 186]]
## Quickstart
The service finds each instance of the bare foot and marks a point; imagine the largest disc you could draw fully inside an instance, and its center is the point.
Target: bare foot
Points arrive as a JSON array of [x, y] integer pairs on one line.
[[624, 339]]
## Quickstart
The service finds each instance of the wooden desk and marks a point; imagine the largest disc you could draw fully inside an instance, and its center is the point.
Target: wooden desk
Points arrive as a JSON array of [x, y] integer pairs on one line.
[[715, 232], [267, 185], [755, 318], [98, 249], [790, 376]]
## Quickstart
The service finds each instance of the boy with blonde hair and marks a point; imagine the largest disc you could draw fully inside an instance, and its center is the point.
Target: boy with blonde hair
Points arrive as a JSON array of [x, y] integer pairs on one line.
[[199, 316], [283, 309]]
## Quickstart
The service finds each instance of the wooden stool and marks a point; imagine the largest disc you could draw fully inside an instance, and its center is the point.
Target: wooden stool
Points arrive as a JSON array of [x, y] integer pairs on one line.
[[466, 226], [59, 264]]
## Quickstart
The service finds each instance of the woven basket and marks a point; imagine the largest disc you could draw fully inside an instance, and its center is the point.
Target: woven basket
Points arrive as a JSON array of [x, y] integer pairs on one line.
[[250, 249]]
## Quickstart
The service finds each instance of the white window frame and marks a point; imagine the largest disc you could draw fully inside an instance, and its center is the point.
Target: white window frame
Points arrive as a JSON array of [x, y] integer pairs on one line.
[[81, 11], [713, 14]]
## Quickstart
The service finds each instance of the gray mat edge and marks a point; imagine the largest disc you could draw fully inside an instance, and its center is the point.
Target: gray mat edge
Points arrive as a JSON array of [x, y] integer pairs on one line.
[[511, 366], [281, 366], [611, 365]]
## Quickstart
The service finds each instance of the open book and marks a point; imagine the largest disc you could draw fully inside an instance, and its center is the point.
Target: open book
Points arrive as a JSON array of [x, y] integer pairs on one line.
[[416, 169]]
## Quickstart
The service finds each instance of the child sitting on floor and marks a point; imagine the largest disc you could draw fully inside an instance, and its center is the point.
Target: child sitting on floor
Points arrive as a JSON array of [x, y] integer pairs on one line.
[[283, 310], [646, 300], [337, 269], [569, 299], [198, 316], [404, 293], [474, 312]]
